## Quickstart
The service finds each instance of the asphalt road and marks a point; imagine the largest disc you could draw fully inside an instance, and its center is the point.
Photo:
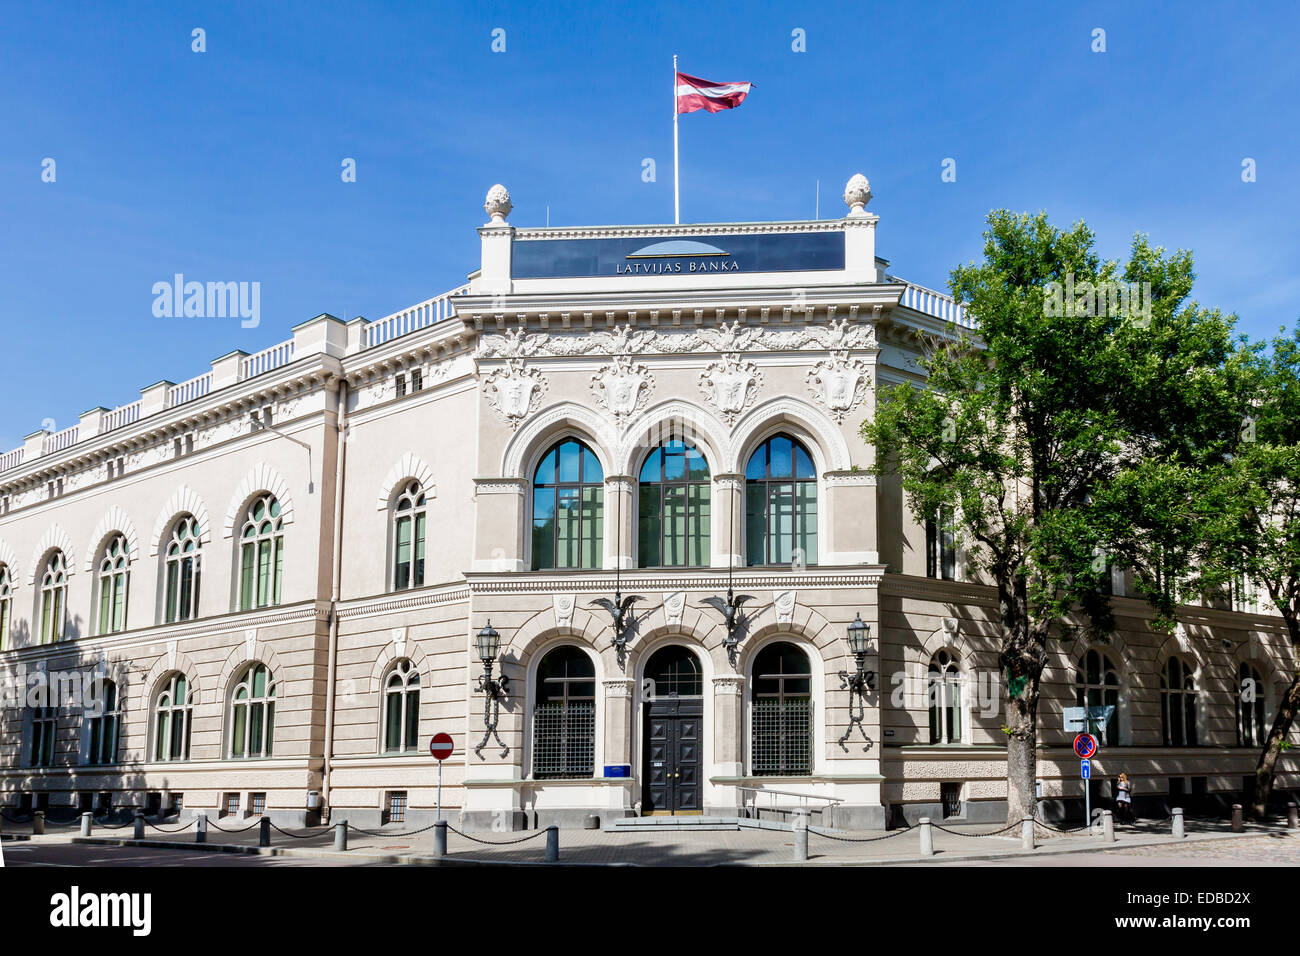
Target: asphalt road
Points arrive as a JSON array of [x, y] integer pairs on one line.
[[68, 854]]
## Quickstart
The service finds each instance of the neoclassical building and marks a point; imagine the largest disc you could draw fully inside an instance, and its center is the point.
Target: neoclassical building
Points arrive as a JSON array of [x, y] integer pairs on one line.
[[623, 465]]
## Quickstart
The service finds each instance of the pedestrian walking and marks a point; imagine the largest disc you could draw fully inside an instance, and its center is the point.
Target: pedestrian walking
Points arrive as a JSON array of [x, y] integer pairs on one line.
[[1124, 799]]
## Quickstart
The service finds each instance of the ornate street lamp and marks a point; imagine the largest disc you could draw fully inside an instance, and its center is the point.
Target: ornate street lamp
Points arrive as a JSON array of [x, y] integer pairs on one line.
[[494, 690], [857, 684]]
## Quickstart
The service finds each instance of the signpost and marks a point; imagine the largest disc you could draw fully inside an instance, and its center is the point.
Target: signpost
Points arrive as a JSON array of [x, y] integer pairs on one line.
[[1085, 745], [441, 746]]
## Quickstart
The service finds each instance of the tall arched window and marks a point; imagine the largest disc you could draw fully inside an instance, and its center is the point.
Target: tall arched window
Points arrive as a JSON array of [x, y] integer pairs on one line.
[[944, 691], [782, 733], [103, 726], [564, 717], [172, 713], [408, 538], [673, 530], [252, 714], [1096, 684], [1178, 704], [1251, 730], [780, 504], [45, 721], [184, 568], [114, 576], [568, 508], [674, 671], [402, 709], [54, 597], [6, 605], [261, 554]]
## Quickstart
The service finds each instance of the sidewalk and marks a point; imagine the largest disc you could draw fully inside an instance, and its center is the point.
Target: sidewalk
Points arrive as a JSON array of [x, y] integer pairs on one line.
[[673, 848]]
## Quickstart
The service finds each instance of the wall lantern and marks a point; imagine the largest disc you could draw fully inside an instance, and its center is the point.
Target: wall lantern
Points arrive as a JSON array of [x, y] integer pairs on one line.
[[858, 637], [493, 689]]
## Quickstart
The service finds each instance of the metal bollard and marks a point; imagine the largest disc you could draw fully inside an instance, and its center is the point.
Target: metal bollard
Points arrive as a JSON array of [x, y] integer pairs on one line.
[[1026, 833], [1236, 818], [1291, 821], [38, 823], [87, 821], [201, 828], [800, 835], [927, 837], [1107, 826], [137, 832], [264, 831], [552, 844], [440, 839], [341, 836], [1179, 832]]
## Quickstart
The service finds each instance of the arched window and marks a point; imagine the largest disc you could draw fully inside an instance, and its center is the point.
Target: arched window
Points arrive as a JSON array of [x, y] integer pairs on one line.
[[1251, 730], [408, 538], [564, 718], [44, 724], [673, 671], [103, 726], [172, 713], [261, 554], [54, 597], [402, 709], [674, 507], [941, 545], [184, 568], [782, 712], [944, 691], [1096, 684], [1178, 704], [6, 605], [780, 504], [568, 508], [252, 714], [114, 576]]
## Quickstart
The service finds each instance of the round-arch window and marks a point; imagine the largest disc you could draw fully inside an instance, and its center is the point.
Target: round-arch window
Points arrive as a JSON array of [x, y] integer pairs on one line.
[[568, 508], [780, 504], [673, 671], [782, 729], [673, 525], [564, 715]]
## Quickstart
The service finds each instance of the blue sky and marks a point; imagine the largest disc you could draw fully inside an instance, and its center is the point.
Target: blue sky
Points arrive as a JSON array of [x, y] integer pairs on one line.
[[225, 165]]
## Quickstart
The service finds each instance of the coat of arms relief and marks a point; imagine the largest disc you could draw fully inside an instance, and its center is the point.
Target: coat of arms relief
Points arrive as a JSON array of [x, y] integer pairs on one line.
[[839, 383], [622, 388], [731, 386], [515, 391]]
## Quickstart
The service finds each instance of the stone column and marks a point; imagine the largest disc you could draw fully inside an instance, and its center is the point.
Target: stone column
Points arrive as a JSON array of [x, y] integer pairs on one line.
[[499, 522], [728, 725], [620, 505], [727, 524], [619, 724]]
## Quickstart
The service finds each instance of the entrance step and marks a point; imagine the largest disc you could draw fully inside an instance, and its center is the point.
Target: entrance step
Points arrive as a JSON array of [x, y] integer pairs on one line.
[[695, 824]]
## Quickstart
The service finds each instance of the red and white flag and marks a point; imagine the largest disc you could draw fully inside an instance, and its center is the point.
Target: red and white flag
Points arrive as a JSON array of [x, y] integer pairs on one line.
[[696, 94]]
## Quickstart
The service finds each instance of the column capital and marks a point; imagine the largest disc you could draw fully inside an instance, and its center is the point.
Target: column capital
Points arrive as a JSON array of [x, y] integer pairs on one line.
[[728, 684], [618, 687]]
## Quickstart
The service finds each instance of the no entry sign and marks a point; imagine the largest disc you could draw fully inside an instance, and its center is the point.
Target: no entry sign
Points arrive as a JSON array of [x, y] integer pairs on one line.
[[441, 746], [1085, 745]]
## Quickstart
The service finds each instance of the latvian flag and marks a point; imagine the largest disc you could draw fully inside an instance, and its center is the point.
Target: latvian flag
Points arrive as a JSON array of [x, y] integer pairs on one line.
[[696, 94]]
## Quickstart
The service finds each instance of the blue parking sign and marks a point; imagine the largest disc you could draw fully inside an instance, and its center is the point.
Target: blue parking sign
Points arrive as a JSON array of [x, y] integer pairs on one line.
[[1085, 769]]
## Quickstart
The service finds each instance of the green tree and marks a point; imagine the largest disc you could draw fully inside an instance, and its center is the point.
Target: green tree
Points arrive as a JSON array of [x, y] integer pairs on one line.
[[1021, 426]]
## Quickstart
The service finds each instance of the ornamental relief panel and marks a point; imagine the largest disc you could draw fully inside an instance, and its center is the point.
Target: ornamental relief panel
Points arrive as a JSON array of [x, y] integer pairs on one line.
[[839, 383], [515, 391], [622, 388]]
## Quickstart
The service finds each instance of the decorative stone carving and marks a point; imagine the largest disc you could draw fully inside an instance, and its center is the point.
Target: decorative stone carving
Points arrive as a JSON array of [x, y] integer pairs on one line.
[[618, 687], [839, 383], [731, 386], [250, 643], [857, 193], [728, 684], [515, 391], [674, 606], [622, 388], [498, 203], [171, 655], [564, 605], [399, 641], [783, 602]]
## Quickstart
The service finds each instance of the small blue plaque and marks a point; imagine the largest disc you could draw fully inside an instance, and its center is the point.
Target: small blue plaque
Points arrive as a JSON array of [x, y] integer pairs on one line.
[[618, 770]]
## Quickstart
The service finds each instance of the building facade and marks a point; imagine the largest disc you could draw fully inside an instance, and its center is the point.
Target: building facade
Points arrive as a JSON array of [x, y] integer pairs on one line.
[[268, 583]]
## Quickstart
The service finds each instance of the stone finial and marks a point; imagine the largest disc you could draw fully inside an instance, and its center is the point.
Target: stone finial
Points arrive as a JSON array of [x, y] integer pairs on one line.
[[498, 203], [857, 194]]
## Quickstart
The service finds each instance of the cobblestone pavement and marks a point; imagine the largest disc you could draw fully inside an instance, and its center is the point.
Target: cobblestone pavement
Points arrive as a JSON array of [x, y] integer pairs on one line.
[[1147, 844]]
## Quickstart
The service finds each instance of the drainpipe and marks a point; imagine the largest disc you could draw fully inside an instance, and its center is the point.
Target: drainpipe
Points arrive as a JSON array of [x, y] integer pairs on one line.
[[341, 417]]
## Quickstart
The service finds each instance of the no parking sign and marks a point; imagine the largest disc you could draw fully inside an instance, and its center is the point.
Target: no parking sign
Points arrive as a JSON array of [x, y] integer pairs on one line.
[[1085, 745]]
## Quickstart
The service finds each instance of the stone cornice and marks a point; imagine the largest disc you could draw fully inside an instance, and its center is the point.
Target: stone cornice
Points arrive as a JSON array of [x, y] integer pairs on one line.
[[706, 579], [403, 601], [696, 229]]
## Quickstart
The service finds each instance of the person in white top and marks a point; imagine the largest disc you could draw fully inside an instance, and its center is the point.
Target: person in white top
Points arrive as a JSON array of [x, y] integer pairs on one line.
[[1124, 799]]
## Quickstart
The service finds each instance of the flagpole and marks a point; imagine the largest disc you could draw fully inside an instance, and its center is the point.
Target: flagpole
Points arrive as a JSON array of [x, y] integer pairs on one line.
[[677, 202]]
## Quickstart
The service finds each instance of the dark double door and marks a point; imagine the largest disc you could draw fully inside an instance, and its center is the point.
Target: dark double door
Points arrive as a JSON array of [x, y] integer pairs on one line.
[[670, 772]]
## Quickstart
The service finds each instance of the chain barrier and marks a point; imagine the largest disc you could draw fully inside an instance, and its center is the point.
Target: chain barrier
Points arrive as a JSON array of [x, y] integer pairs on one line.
[[180, 829], [215, 826], [99, 822], [843, 839], [62, 823], [391, 833], [1047, 826], [17, 819], [531, 836], [297, 836], [976, 836]]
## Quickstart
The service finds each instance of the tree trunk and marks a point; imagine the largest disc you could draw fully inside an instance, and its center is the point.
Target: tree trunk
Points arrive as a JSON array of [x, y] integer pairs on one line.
[[1022, 757], [1022, 658], [1266, 769]]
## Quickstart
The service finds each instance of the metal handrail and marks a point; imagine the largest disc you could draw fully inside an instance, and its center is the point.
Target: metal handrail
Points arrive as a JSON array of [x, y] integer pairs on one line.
[[790, 793]]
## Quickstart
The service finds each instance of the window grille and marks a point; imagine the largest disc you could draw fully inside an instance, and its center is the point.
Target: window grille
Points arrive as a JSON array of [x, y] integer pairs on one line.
[[257, 804], [564, 739], [396, 806], [783, 736], [231, 805]]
